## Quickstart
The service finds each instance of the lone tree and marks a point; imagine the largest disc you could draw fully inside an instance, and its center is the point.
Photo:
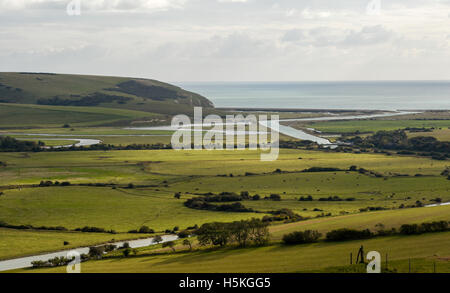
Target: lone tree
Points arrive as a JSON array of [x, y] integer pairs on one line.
[[177, 195], [186, 242], [157, 239], [126, 252], [170, 244]]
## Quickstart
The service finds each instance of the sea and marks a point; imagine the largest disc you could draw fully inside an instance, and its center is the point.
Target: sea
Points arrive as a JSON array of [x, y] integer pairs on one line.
[[352, 95]]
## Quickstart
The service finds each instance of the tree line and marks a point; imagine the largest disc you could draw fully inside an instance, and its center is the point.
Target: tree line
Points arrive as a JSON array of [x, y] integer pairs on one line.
[[242, 233]]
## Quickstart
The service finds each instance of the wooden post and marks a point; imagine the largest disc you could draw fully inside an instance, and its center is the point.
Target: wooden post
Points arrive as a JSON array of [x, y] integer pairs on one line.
[[351, 258], [387, 261], [409, 263]]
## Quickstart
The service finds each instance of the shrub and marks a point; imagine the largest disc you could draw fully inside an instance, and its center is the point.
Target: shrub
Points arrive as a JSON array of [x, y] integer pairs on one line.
[[411, 229], [126, 252], [275, 197], [322, 169], [157, 239], [245, 195], [145, 229], [299, 237], [91, 229], [307, 198], [242, 232], [183, 234], [170, 244], [96, 251], [186, 242], [353, 168], [345, 234], [331, 198]]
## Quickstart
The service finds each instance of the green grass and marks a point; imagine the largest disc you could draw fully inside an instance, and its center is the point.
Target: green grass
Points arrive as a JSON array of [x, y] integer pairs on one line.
[[18, 243], [21, 115], [368, 220], [440, 134], [272, 259], [29, 88], [173, 171], [193, 172], [117, 209], [91, 131], [375, 125], [52, 142], [410, 265]]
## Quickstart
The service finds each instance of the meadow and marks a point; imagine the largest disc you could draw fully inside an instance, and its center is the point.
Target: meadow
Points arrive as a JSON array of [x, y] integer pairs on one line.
[[376, 125], [24, 115], [279, 258], [124, 190], [158, 174]]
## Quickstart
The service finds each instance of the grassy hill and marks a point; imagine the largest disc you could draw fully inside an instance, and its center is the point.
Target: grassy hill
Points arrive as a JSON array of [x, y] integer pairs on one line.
[[108, 92]]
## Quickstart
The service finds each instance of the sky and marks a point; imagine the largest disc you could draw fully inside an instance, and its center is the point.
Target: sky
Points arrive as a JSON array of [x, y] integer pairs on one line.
[[229, 40]]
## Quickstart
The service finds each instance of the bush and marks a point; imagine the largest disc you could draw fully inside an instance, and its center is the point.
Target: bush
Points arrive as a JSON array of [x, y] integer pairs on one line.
[[245, 195], [275, 197], [308, 236], [94, 230], [411, 229], [345, 234], [307, 198], [170, 244], [126, 252], [183, 234], [96, 251], [322, 169], [145, 229], [157, 239], [241, 232]]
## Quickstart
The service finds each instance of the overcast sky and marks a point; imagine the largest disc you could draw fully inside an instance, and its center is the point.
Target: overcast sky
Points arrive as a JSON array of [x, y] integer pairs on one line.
[[230, 40]]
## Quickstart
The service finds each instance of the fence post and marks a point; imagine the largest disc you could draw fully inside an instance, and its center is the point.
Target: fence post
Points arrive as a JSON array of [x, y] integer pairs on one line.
[[351, 258], [386, 261], [409, 264]]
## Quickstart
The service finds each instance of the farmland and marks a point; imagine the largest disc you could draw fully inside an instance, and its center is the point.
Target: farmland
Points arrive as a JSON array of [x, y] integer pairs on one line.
[[48, 196]]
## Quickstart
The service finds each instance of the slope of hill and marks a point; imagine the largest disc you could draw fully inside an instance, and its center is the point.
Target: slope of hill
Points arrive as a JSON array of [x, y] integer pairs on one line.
[[110, 92]]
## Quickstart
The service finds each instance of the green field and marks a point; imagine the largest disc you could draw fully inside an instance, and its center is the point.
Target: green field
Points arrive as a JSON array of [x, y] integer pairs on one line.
[[118, 209], [18, 243], [276, 258], [376, 125], [136, 94], [165, 172], [124, 190], [440, 134], [21, 115]]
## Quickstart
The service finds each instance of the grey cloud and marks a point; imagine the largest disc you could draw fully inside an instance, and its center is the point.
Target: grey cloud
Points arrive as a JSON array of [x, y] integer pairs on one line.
[[212, 39], [368, 35]]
